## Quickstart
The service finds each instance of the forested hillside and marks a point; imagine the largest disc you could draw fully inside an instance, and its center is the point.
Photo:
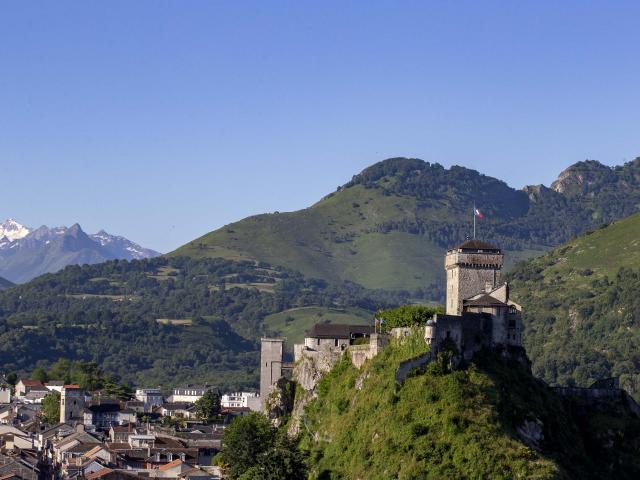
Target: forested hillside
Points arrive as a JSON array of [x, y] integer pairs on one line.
[[389, 226], [491, 419], [582, 309], [163, 320]]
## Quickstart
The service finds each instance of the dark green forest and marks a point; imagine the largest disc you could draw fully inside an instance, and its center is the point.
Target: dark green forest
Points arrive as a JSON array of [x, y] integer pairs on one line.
[[161, 321]]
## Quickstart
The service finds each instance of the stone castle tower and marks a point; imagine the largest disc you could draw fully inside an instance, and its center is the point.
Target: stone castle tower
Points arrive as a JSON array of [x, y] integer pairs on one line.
[[271, 365], [71, 403], [471, 267]]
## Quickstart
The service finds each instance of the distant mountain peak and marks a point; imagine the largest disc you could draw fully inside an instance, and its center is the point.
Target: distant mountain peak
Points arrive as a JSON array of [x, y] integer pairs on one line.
[[579, 177], [12, 230]]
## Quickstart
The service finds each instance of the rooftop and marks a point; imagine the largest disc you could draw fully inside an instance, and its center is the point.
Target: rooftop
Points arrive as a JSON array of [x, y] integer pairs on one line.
[[475, 244], [484, 300], [337, 330]]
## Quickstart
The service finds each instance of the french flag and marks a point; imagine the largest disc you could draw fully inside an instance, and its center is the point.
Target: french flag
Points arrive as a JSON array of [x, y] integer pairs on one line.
[[477, 213]]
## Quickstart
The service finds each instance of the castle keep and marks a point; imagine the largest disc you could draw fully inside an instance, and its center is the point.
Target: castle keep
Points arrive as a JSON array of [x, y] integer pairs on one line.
[[479, 311]]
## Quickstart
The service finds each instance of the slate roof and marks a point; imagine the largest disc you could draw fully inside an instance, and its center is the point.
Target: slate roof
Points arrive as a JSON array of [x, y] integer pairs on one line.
[[484, 300], [475, 244], [337, 330]]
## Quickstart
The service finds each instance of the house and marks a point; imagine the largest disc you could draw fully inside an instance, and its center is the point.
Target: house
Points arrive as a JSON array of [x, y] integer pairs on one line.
[[111, 474], [74, 445], [179, 409], [23, 465], [250, 400], [189, 393], [150, 398], [336, 335], [106, 413], [120, 433], [25, 386], [54, 386]]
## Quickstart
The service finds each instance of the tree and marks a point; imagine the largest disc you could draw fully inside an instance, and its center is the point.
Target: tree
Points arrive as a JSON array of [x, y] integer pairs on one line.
[[40, 374], [244, 441], [208, 406], [254, 449], [51, 408]]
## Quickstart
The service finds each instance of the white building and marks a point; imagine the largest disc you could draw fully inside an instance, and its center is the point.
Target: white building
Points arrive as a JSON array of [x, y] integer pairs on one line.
[[189, 393], [151, 397], [248, 400]]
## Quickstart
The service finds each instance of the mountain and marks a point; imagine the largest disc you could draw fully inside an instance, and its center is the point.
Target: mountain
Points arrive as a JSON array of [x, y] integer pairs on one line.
[[4, 283], [121, 248], [489, 419], [26, 253], [11, 230], [389, 226], [581, 307]]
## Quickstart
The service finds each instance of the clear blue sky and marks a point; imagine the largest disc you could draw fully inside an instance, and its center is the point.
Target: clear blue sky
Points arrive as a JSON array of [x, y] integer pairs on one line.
[[164, 120]]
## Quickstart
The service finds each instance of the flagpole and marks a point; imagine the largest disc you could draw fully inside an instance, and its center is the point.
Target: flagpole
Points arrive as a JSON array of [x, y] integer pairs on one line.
[[474, 220]]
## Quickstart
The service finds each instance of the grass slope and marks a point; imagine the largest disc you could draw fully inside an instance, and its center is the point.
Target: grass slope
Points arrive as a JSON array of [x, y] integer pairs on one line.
[[460, 424], [333, 240], [582, 312]]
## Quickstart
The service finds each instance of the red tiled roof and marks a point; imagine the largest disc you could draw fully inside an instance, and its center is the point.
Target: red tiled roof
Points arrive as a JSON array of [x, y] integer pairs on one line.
[[32, 383], [170, 465], [98, 473]]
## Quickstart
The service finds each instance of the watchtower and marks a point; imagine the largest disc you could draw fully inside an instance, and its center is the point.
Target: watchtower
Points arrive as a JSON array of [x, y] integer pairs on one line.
[[71, 403], [472, 267], [271, 358]]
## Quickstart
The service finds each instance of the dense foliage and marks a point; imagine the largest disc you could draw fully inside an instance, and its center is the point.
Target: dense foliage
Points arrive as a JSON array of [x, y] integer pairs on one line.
[[51, 408], [161, 321], [460, 424], [406, 316], [582, 310], [255, 450], [208, 406]]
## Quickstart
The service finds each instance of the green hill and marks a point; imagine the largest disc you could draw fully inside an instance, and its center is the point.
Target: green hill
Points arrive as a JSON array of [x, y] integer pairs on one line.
[[389, 226], [582, 309], [492, 419]]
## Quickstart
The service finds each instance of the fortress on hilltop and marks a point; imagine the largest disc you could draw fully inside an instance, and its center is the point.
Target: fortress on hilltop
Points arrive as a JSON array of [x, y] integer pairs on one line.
[[479, 313]]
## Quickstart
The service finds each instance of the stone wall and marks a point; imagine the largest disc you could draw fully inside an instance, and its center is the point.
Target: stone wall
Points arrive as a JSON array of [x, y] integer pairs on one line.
[[361, 353]]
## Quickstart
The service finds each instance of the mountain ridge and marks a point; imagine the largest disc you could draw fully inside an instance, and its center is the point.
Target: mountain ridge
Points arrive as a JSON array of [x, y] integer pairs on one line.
[[26, 253], [390, 224]]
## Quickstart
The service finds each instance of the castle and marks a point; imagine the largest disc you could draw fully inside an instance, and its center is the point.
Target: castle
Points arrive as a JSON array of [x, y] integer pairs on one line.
[[479, 313]]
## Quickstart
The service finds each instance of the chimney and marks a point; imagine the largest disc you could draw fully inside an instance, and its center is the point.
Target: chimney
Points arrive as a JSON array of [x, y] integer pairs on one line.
[[488, 286]]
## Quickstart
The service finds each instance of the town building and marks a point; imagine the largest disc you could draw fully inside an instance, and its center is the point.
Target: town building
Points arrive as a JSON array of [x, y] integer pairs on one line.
[[25, 386], [190, 393], [150, 397], [250, 400]]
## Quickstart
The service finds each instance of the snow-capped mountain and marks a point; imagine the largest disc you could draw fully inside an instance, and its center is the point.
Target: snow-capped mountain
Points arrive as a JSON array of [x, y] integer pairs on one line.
[[11, 230], [24, 256], [121, 247]]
